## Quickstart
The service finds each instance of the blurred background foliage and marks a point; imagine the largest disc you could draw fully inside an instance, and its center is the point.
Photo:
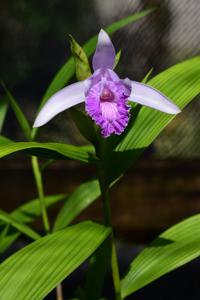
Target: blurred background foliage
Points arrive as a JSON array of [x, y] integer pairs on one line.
[[34, 45]]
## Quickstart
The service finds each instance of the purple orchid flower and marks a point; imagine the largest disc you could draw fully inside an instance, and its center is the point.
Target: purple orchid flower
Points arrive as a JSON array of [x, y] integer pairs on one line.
[[106, 96]]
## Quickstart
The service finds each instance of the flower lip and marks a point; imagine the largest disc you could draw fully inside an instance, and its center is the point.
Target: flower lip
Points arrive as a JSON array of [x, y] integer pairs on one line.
[[106, 95]]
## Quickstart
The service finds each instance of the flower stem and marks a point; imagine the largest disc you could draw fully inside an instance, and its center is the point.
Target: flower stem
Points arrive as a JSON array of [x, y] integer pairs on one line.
[[107, 222], [40, 189]]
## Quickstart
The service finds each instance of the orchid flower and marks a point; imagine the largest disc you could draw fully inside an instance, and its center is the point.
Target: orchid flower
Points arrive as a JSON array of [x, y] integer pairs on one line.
[[106, 96]]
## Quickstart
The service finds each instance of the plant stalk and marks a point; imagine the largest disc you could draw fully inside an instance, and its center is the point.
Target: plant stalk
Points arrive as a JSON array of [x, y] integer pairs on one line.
[[40, 189], [59, 293], [107, 222]]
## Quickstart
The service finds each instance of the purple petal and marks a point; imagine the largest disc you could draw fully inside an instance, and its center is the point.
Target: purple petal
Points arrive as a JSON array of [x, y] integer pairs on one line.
[[148, 96], [104, 56], [107, 103], [64, 99]]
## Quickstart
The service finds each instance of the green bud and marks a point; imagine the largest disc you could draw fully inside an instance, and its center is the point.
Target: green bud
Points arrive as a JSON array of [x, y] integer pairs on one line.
[[81, 61]]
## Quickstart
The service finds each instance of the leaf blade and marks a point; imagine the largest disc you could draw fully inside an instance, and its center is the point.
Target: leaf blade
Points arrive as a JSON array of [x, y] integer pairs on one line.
[[82, 197], [52, 149], [34, 271], [180, 245], [22, 120]]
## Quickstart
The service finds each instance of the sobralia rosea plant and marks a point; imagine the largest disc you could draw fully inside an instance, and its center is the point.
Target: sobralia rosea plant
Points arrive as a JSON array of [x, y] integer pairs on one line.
[[119, 120]]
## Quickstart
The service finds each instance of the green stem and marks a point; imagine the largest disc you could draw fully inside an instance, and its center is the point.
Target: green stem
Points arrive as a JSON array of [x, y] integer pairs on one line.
[[39, 184], [107, 222]]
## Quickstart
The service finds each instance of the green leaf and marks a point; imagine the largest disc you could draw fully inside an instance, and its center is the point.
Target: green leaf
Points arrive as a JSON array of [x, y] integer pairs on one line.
[[67, 70], [25, 213], [28, 212], [49, 150], [117, 58], [82, 65], [4, 140], [3, 111], [5, 217], [172, 249], [99, 261], [22, 120], [31, 273], [181, 83], [148, 75], [81, 198]]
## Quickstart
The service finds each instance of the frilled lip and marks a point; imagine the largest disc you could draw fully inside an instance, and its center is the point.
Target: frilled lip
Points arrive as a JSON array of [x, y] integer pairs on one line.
[[103, 62]]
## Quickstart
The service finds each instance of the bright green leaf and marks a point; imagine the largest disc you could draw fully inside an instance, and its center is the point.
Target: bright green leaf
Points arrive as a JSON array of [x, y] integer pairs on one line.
[[172, 249], [81, 198], [49, 150], [31, 273]]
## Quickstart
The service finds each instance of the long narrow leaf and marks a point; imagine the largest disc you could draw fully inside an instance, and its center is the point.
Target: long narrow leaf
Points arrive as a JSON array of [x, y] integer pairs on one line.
[[22, 120], [83, 196], [172, 249], [50, 150], [34, 271], [3, 111]]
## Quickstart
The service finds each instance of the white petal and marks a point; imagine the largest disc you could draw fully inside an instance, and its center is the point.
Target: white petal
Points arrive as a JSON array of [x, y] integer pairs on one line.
[[148, 96], [104, 56], [69, 96]]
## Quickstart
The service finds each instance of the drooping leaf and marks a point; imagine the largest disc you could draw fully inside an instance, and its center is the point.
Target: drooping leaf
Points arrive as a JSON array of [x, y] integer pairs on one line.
[[81, 198], [25, 229], [49, 150], [22, 120], [3, 111], [172, 249], [180, 83], [67, 70], [25, 213], [82, 66], [34, 271]]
